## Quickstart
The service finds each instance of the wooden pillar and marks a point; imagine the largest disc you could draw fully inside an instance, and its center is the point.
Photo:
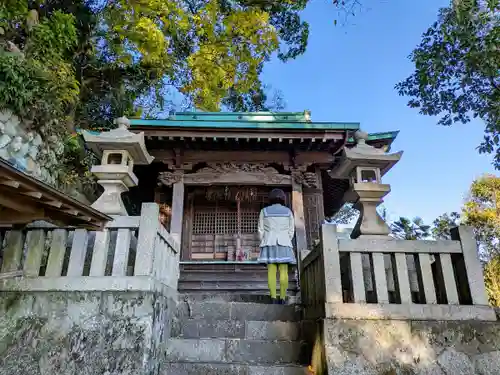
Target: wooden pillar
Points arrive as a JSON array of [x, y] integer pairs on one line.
[[176, 180], [314, 212], [298, 213], [177, 210]]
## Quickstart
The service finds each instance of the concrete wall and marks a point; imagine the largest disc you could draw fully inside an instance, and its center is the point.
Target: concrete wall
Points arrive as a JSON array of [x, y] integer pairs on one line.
[[390, 347], [84, 333]]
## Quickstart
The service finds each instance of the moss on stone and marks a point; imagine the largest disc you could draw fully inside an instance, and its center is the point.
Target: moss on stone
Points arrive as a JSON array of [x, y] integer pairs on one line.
[[11, 300]]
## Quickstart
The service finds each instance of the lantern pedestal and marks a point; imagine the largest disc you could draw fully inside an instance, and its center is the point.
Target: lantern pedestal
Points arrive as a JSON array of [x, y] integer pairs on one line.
[[370, 223], [111, 200]]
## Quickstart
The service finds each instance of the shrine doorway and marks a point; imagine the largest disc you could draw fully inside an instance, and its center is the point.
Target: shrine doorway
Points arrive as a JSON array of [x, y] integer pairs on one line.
[[221, 222]]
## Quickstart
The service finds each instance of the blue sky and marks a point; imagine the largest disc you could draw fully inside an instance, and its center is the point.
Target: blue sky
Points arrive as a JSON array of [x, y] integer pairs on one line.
[[348, 74]]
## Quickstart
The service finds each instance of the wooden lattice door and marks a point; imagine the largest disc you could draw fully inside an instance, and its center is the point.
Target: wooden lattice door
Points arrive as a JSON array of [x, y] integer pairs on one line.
[[217, 228]]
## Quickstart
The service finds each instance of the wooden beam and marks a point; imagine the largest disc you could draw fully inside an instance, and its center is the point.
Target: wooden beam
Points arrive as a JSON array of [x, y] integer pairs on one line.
[[242, 133], [55, 204], [280, 157], [71, 212], [14, 217], [236, 178], [16, 202], [10, 183], [26, 199], [33, 194]]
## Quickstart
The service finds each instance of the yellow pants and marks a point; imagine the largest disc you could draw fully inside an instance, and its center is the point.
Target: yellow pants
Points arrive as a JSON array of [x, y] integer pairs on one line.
[[271, 279]]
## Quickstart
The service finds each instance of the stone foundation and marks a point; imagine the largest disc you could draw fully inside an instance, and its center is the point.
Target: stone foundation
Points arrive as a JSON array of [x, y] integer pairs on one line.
[[84, 333], [389, 347]]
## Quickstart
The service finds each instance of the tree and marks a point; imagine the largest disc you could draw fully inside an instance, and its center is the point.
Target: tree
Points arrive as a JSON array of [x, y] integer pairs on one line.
[[345, 215], [457, 69], [130, 56], [67, 64], [442, 225], [492, 280], [482, 212], [406, 229]]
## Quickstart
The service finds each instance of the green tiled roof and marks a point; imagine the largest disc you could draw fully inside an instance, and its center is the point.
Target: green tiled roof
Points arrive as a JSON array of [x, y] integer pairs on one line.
[[255, 120], [378, 136], [245, 120], [243, 116]]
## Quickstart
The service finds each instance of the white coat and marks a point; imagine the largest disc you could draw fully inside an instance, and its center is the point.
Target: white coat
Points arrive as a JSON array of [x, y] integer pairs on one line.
[[276, 226]]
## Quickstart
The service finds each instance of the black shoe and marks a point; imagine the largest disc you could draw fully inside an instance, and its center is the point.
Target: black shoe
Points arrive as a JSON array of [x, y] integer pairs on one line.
[[282, 301], [275, 301]]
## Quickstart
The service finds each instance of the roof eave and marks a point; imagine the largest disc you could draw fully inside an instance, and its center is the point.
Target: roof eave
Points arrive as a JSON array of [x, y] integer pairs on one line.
[[243, 125]]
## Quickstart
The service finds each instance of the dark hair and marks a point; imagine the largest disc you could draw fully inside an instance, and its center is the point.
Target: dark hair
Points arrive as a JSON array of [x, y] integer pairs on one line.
[[277, 196]]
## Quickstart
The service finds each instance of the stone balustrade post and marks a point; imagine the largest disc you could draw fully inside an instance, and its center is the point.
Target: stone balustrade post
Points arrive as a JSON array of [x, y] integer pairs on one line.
[[475, 275]]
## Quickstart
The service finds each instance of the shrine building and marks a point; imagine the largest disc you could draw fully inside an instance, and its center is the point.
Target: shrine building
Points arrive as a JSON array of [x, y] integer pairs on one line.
[[212, 173]]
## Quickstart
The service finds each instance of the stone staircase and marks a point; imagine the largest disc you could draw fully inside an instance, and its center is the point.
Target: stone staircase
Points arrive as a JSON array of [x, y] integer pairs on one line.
[[221, 337], [229, 278]]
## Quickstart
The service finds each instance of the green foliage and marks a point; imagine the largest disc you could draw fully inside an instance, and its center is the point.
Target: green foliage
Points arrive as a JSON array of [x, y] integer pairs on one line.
[[492, 280], [115, 55], [38, 83], [52, 38], [136, 53], [406, 229], [126, 54], [345, 215], [86, 62], [230, 51], [457, 69], [37, 77], [443, 224], [482, 212]]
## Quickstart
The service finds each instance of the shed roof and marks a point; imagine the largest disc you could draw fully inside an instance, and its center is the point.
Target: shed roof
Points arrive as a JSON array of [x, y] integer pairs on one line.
[[24, 199]]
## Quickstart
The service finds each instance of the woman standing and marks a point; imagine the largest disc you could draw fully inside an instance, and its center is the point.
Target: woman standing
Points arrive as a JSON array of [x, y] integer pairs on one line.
[[276, 230]]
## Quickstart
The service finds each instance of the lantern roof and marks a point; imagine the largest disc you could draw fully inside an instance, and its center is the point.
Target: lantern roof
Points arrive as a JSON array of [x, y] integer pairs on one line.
[[119, 138], [364, 155]]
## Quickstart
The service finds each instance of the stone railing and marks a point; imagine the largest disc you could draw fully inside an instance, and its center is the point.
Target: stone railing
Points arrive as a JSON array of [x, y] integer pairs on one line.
[[131, 253], [387, 278]]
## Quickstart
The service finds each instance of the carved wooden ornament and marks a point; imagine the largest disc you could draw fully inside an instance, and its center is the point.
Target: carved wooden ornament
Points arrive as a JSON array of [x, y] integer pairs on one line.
[[306, 179], [232, 173], [169, 178]]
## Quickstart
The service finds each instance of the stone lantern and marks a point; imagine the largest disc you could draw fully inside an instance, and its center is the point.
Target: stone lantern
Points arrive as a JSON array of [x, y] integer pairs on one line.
[[364, 166], [119, 150]]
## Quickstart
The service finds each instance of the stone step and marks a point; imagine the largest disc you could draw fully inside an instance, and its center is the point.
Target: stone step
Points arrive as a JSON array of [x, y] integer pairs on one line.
[[226, 297], [251, 330], [242, 311], [230, 369], [228, 278], [225, 267], [200, 296], [236, 351], [231, 286], [224, 276]]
